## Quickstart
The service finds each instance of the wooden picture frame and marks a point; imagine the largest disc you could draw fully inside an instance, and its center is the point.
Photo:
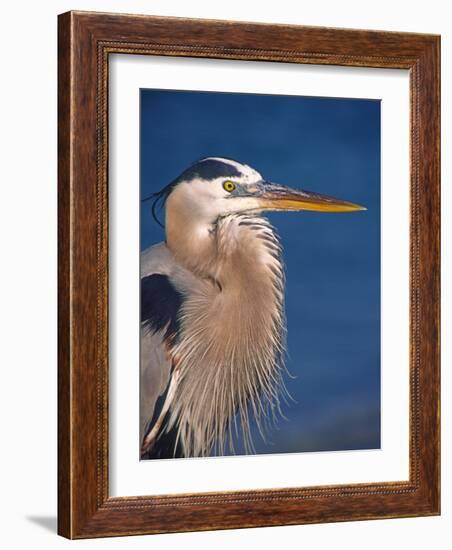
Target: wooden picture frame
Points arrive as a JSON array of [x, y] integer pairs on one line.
[[85, 42]]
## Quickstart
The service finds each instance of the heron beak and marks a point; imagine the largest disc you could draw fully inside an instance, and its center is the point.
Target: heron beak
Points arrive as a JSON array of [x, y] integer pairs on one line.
[[280, 197]]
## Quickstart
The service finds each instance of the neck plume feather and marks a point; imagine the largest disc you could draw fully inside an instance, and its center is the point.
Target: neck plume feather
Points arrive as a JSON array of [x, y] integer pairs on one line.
[[229, 356]]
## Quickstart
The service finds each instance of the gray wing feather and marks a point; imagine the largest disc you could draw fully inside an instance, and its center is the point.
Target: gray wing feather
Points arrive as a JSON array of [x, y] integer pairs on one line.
[[155, 362], [155, 368]]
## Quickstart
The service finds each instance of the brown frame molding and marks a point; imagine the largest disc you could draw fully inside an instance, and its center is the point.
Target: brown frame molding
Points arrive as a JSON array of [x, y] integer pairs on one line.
[[85, 41]]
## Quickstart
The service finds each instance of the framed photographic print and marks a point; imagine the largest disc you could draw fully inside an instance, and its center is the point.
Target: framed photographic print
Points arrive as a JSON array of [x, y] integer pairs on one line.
[[248, 275]]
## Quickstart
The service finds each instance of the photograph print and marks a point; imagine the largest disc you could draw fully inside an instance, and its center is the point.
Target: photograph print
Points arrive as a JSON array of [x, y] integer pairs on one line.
[[260, 274]]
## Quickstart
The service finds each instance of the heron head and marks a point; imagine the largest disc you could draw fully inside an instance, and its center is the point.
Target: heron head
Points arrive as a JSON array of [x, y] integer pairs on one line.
[[215, 187]]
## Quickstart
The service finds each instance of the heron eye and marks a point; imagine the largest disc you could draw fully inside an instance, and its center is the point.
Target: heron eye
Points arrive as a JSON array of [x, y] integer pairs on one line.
[[229, 186]]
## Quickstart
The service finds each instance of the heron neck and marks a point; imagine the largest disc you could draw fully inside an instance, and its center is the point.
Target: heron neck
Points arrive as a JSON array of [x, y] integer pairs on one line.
[[234, 331], [192, 242], [236, 250]]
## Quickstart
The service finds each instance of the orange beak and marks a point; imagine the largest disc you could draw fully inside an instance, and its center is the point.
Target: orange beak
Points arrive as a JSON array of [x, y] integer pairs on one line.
[[280, 197]]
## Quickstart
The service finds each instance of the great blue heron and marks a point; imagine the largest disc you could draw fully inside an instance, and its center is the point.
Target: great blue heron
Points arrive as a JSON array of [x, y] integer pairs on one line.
[[212, 308]]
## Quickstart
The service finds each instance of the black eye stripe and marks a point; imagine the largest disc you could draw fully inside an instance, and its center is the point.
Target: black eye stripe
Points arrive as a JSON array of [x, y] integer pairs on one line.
[[210, 169]]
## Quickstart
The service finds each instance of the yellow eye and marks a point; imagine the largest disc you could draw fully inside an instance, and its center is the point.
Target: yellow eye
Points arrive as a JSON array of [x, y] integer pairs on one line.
[[229, 186]]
